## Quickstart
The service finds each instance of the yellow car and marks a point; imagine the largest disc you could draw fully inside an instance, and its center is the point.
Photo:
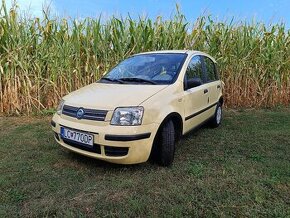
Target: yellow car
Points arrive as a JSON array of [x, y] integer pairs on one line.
[[141, 107]]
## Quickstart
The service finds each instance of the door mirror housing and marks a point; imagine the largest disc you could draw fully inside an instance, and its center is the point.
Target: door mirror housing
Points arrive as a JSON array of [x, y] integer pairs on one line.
[[191, 83]]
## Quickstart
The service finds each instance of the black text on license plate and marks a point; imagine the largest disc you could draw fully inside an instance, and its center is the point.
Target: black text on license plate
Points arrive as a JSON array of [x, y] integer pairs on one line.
[[76, 136]]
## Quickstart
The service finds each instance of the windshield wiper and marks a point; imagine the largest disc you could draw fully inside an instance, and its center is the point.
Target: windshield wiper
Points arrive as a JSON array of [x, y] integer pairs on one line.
[[136, 79], [112, 80]]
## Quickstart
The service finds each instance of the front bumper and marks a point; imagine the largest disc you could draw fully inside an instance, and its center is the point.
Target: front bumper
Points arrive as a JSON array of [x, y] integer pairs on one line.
[[115, 144]]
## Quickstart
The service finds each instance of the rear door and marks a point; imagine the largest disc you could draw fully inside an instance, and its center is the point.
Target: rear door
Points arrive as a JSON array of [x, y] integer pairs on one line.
[[213, 82], [195, 99]]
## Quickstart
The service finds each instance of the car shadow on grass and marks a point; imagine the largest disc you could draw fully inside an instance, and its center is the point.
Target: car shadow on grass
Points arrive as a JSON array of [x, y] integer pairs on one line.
[[150, 164], [89, 162], [196, 131]]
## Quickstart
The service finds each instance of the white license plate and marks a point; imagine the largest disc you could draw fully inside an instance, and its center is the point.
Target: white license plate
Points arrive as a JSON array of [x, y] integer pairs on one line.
[[77, 136]]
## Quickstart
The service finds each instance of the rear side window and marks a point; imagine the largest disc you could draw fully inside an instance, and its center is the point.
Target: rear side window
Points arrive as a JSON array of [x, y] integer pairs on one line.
[[210, 70], [194, 69]]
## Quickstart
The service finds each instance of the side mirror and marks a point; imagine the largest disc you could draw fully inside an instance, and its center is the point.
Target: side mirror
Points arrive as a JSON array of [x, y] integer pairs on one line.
[[191, 83]]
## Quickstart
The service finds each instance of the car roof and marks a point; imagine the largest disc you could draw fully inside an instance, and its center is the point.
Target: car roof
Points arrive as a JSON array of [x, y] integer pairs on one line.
[[189, 52]]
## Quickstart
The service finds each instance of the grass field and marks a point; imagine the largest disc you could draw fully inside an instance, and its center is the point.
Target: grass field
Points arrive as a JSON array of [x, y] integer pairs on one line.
[[239, 169]]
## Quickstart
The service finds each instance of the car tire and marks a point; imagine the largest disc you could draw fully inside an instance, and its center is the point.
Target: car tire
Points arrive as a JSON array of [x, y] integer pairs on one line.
[[217, 119], [167, 144]]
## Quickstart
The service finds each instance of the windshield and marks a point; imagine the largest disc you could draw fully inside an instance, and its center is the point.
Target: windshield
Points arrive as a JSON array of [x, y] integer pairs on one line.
[[162, 68]]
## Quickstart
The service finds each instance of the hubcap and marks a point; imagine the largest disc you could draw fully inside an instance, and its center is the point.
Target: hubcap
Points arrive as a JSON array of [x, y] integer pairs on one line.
[[218, 115]]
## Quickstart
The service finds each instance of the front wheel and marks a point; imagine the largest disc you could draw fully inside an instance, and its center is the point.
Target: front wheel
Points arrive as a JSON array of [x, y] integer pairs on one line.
[[217, 119], [166, 144]]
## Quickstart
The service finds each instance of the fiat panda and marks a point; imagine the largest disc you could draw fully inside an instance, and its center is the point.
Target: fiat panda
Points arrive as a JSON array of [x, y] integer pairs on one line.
[[141, 107]]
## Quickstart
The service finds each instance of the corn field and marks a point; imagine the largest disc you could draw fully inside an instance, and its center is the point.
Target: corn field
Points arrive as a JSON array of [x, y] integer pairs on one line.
[[42, 59]]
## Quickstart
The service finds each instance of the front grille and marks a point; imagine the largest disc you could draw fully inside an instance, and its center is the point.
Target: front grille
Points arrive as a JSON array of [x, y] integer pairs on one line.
[[90, 114], [116, 151], [95, 148]]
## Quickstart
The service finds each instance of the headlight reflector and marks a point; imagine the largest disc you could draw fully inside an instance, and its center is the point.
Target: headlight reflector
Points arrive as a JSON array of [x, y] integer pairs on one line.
[[127, 116], [59, 107]]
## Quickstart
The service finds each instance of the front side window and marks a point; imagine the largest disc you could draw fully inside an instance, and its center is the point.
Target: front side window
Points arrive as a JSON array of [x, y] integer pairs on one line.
[[159, 68], [194, 69], [210, 69]]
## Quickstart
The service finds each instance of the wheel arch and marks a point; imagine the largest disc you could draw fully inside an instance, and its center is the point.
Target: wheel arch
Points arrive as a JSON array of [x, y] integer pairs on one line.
[[178, 128], [177, 122]]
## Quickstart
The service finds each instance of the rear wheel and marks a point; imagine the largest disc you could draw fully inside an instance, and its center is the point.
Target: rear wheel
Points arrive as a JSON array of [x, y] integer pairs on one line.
[[217, 119]]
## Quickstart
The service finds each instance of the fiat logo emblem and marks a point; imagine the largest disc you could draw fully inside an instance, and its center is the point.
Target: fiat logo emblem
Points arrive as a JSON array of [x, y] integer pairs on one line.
[[80, 113]]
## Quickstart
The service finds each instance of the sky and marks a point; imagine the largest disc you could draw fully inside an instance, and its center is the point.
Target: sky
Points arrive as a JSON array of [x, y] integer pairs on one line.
[[259, 10]]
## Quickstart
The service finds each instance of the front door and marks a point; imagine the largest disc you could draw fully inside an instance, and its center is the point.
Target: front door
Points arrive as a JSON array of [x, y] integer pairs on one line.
[[196, 98]]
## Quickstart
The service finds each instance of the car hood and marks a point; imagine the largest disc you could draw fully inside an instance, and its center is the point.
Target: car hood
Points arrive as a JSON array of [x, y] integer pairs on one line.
[[108, 96]]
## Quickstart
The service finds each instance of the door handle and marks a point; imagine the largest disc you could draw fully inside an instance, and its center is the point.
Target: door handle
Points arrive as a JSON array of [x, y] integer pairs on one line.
[[205, 91], [218, 86]]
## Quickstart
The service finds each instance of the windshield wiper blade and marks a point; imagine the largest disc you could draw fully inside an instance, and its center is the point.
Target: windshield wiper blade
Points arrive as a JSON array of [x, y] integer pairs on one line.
[[136, 79], [112, 80]]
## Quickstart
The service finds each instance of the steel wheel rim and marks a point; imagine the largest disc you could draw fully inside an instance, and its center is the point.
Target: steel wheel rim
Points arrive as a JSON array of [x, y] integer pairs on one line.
[[219, 115]]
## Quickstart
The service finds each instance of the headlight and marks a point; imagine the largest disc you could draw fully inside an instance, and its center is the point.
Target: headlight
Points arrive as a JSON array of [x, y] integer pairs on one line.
[[59, 107], [127, 116]]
